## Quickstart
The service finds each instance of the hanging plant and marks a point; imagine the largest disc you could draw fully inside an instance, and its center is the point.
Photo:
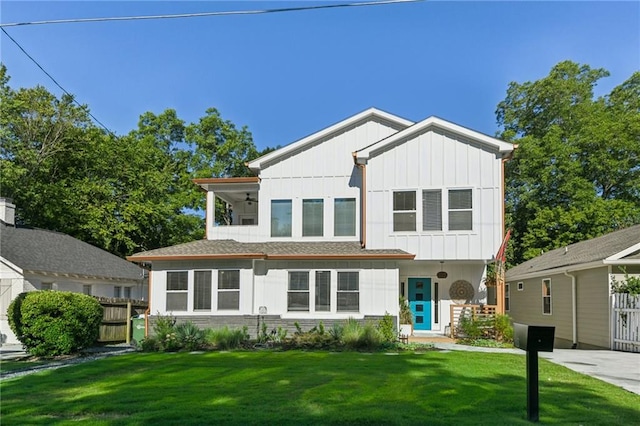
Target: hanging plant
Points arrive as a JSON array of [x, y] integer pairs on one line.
[[491, 279]]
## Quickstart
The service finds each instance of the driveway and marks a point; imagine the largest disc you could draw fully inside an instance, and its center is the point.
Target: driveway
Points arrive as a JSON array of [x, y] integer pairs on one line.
[[618, 368]]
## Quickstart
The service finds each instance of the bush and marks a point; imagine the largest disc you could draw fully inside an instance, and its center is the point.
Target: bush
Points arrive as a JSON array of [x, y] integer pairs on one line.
[[387, 328], [189, 336], [630, 285], [164, 330], [225, 338], [51, 323], [356, 336], [504, 328]]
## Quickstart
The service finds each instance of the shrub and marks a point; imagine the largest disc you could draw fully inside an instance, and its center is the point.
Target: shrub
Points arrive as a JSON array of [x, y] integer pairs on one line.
[[630, 285], [189, 336], [225, 338], [50, 323], [164, 330], [356, 336], [503, 328], [387, 328]]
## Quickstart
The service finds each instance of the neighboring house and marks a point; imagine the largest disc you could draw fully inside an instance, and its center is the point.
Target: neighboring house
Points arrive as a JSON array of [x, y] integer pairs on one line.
[[341, 223], [570, 288], [36, 259]]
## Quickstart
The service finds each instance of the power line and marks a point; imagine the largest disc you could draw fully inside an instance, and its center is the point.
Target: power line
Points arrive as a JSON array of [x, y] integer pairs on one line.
[[207, 14], [56, 83]]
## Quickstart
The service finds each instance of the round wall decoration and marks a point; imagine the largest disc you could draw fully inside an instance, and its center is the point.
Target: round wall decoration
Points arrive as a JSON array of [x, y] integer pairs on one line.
[[461, 291]]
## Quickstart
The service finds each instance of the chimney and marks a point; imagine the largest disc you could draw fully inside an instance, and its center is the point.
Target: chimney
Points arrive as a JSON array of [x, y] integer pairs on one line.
[[7, 211]]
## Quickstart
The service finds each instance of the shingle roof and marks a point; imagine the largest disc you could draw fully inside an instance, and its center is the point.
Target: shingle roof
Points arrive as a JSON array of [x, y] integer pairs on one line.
[[592, 250], [272, 250], [39, 250]]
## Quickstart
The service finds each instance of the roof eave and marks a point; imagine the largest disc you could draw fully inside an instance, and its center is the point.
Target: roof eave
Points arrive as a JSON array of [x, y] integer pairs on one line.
[[555, 271]]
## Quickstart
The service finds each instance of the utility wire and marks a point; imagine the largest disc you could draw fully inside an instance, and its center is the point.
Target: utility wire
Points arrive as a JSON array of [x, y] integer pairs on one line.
[[56, 83], [205, 14]]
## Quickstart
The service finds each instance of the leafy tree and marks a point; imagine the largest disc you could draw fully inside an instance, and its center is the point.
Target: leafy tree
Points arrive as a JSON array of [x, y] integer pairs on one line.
[[576, 172]]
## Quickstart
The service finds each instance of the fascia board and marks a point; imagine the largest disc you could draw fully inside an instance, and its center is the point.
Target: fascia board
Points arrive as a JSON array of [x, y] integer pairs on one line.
[[623, 253], [258, 162], [12, 265], [556, 271], [435, 122]]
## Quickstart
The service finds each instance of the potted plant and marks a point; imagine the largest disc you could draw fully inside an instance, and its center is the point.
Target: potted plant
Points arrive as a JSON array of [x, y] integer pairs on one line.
[[406, 319]]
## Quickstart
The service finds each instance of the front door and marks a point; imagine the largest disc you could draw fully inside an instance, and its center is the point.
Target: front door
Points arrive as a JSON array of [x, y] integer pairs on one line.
[[420, 302]]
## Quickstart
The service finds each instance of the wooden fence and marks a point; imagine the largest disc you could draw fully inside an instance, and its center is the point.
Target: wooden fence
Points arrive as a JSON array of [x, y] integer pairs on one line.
[[457, 312], [116, 319], [626, 322]]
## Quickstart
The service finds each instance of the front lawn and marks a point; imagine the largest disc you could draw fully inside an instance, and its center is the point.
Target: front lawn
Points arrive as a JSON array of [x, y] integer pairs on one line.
[[310, 388]]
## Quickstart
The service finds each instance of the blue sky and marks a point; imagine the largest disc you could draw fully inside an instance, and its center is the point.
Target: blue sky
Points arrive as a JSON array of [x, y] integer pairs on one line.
[[287, 75]]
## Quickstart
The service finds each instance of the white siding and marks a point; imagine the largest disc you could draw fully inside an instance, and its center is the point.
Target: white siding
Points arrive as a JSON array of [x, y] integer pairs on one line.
[[434, 160]]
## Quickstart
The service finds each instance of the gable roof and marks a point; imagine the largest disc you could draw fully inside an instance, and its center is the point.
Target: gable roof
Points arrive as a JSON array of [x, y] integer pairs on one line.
[[428, 124], [618, 247], [231, 249], [40, 251], [366, 115]]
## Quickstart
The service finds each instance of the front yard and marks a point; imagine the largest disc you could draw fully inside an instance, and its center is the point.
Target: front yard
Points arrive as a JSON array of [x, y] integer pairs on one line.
[[309, 388]]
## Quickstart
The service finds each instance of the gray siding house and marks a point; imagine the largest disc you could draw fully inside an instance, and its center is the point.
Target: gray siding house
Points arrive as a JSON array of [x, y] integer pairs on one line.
[[570, 288]]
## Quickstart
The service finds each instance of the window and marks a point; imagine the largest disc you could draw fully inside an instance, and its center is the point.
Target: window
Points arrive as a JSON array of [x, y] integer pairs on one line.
[[177, 291], [298, 294], [312, 218], [117, 291], [348, 292], [46, 286], [404, 211], [323, 291], [281, 218], [202, 290], [432, 210], [546, 296], [127, 292], [344, 213], [507, 297], [460, 210], [229, 290], [86, 289], [520, 286]]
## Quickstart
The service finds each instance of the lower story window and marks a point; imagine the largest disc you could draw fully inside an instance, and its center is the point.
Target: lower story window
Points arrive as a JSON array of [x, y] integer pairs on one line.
[[298, 294], [202, 290], [46, 286], [348, 292], [546, 296], [127, 292], [323, 291], [507, 297], [86, 289], [117, 291], [229, 290], [177, 287]]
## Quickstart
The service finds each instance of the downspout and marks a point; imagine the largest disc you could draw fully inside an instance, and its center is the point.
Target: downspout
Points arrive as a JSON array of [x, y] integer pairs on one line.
[[146, 313], [574, 312], [363, 201]]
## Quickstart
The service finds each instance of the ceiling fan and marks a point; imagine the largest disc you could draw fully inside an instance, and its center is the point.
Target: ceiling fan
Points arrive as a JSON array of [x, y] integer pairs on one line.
[[249, 199]]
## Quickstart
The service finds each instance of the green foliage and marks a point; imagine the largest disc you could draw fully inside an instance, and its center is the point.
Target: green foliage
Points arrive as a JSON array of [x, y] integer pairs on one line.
[[503, 328], [387, 328], [51, 323], [630, 285], [477, 331], [576, 172], [336, 332], [164, 330], [356, 336], [189, 336], [226, 338], [406, 317]]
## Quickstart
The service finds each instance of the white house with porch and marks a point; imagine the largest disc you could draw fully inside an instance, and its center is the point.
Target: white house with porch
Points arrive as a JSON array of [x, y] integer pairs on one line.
[[340, 224]]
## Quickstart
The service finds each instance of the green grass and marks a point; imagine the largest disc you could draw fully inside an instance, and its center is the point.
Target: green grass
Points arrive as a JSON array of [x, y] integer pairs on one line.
[[293, 388], [7, 366]]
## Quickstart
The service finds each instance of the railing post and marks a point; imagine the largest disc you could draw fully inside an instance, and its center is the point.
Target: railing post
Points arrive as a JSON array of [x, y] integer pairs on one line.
[[128, 335]]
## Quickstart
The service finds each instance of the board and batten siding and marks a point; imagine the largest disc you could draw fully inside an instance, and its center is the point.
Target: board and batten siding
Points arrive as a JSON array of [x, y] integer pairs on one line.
[[266, 284], [436, 160]]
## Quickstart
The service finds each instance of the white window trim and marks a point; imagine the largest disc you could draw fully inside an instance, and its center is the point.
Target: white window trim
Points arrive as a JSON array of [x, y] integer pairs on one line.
[[218, 290], [417, 209], [359, 292], [192, 290], [550, 296], [447, 210], [187, 291], [310, 291], [520, 286]]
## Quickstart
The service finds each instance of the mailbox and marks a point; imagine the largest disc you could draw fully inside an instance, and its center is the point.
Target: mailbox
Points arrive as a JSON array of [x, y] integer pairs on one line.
[[537, 338]]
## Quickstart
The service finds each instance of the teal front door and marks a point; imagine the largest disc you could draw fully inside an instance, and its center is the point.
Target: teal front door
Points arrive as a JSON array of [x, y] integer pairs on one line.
[[420, 302]]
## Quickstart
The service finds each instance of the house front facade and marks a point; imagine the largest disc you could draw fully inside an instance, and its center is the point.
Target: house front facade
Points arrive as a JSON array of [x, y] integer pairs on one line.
[[340, 224], [570, 288]]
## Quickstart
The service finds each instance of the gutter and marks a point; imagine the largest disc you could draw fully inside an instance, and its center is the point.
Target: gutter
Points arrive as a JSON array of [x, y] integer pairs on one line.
[[148, 311], [574, 312], [363, 200]]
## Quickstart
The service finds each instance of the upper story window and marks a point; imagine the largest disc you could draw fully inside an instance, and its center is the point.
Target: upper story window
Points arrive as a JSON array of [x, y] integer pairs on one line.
[[202, 290], [280, 218], [432, 210], [312, 218], [404, 211], [344, 216], [546, 296], [177, 288], [460, 210]]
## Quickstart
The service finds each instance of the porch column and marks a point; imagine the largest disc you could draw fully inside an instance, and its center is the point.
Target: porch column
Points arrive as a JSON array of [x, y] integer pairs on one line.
[[210, 215]]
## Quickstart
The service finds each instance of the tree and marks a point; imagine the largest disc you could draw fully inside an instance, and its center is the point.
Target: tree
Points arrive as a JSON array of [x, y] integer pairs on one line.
[[576, 172]]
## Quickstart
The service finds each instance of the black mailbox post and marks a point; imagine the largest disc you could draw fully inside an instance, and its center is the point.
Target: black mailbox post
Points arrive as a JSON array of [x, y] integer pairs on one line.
[[533, 339]]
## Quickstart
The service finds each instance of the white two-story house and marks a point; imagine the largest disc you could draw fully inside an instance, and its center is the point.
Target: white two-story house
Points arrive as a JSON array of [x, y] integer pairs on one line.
[[340, 224]]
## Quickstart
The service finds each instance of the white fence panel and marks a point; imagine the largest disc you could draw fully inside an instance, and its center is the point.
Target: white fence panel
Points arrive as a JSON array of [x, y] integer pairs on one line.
[[626, 323]]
